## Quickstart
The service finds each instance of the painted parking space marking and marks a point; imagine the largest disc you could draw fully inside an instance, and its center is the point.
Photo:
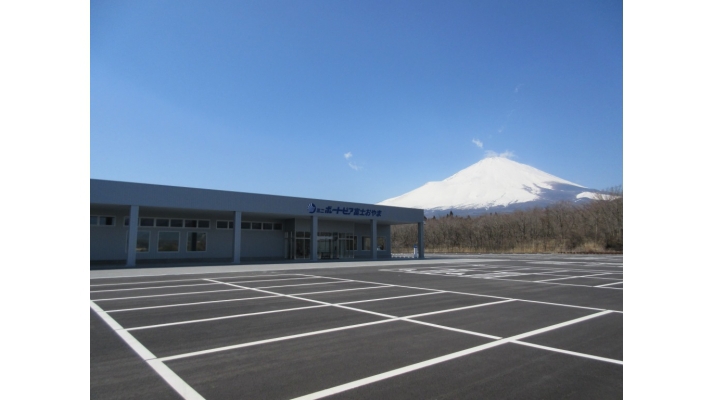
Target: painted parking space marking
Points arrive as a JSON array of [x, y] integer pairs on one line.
[[497, 297], [176, 383], [189, 280], [509, 275], [222, 317], [189, 304], [168, 294], [437, 360], [272, 291]]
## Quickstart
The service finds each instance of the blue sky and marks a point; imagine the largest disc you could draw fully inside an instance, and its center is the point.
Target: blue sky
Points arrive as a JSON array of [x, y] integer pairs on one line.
[[357, 101]]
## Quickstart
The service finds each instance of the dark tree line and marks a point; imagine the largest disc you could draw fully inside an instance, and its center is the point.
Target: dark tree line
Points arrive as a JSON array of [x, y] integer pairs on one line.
[[595, 226]]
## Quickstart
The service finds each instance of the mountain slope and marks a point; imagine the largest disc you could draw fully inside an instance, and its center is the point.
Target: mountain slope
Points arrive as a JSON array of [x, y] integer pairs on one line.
[[493, 182]]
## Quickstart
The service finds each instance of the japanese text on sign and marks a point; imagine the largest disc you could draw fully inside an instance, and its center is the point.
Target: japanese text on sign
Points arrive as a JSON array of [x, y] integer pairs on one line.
[[355, 211]]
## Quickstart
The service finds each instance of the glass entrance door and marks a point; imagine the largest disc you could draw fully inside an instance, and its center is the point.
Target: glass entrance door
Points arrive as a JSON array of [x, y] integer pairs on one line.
[[343, 247], [331, 245], [325, 245]]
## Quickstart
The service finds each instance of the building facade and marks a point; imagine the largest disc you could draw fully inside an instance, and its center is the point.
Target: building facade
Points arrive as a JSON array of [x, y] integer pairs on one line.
[[134, 223]]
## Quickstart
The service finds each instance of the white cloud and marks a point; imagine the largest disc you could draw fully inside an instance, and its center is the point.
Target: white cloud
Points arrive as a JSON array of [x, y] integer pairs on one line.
[[506, 154], [516, 89], [351, 164], [500, 130], [478, 143]]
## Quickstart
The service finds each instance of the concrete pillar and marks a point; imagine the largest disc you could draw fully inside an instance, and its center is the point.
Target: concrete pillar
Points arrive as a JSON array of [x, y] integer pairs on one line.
[[373, 238], [314, 238], [236, 237], [421, 239], [132, 240]]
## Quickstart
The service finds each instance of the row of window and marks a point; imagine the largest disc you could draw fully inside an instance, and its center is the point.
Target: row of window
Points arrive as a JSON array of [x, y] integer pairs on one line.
[[169, 241], [262, 226], [171, 223], [105, 220]]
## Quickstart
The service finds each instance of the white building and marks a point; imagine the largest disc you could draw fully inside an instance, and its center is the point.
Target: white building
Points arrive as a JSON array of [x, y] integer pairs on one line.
[[134, 223]]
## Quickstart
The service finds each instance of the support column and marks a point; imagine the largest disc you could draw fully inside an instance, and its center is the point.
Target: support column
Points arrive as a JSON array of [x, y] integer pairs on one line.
[[421, 239], [236, 237], [373, 238], [132, 239], [314, 238]]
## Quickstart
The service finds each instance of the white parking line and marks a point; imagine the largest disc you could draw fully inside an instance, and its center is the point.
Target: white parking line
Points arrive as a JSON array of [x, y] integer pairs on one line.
[[458, 309], [194, 321], [189, 304], [389, 298], [207, 291], [437, 360], [280, 286], [197, 284], [573, 353], [247, 298], [595, 276], [259, 342], [147, 288], [494, 297], [344, 290], [391, 317], [178, 384], [187, 280], [608, 284], [168, 294]]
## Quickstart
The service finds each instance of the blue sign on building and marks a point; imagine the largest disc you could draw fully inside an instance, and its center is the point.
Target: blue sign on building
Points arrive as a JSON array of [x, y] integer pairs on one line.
[[355, 211]]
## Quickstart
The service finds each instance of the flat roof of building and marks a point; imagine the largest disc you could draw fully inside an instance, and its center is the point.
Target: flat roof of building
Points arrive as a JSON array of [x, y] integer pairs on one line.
[[117, 193]]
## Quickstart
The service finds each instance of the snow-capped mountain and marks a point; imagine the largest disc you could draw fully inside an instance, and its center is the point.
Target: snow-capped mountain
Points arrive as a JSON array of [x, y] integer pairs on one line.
[[493, 184]]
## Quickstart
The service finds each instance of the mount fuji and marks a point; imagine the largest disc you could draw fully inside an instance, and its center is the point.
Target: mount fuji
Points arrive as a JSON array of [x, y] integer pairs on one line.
[[493, 184]]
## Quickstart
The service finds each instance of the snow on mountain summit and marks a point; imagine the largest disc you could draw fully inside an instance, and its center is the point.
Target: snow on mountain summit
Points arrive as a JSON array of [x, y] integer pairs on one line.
[[492, 182]]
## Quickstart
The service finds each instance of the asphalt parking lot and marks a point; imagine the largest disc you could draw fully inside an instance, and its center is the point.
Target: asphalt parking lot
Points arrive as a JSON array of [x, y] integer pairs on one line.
[[512, 327]]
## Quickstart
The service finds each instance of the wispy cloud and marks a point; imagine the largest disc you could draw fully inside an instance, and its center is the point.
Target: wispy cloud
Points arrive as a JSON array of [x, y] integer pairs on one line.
[[516, 89], [505, 154], [478, 143], [500, 130], [351, 164]]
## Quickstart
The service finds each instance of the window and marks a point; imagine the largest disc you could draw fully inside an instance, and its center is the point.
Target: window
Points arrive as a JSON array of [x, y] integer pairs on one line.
[[366, 243], [196, 241], [245, 225], [101, 220], [221, 224], [351, 242], [160, 222], [381, 243], [256, 225], [302, 245], [277, 227], [168, 241], [267, 226], [143, 241]]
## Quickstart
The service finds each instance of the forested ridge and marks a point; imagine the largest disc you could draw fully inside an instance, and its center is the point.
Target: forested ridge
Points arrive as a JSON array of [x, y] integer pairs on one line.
[[591, 227]]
